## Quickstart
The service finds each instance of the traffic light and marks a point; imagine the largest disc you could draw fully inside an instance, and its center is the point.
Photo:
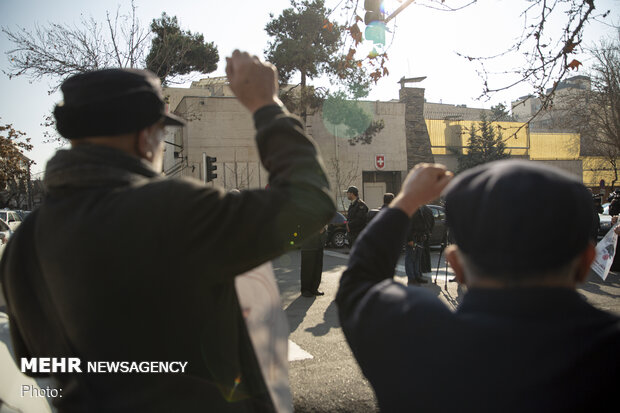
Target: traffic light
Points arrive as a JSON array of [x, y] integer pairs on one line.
[[211, 167], [374, 11], [375, 21]]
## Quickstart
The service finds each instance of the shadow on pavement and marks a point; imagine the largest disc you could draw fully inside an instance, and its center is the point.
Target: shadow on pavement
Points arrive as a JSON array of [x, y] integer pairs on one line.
[[610, 287], [287, 269], [330, 319], [296, 311]]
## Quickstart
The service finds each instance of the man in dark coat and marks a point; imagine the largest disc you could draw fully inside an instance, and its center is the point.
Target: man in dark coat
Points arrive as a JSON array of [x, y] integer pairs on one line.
[[312, 264], [356, 214], [102, 273], [522, 340], [419, 233]]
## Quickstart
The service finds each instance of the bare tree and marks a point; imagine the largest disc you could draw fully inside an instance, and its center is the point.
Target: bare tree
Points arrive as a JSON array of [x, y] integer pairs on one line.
[[547, 52], [602, 110], [595, 112], [56, 51], [345, 173], [239, 175]]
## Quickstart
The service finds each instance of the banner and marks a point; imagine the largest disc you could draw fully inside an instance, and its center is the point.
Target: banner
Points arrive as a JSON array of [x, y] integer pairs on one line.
[[605, 252]]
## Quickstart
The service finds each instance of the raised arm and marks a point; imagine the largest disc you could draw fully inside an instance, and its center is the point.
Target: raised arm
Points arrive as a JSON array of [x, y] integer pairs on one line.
[[376, 251]]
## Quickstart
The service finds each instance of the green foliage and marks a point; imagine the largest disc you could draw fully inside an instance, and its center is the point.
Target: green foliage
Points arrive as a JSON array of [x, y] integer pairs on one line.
[[14, 166], [500, 113], [306, 42], [303, 40], [359, 124], [178, 52], [485, 145]]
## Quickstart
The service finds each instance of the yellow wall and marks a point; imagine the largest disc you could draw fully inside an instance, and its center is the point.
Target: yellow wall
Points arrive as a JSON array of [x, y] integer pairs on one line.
[[542, 146], [446, 134], [596, 168], [554, 146]]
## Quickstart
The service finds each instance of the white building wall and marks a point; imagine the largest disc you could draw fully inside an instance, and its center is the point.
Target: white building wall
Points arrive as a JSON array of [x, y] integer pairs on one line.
[[222, 127]]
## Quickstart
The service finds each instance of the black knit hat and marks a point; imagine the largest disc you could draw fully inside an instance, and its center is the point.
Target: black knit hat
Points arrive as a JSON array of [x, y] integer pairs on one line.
[[111, 102], [518, 217]]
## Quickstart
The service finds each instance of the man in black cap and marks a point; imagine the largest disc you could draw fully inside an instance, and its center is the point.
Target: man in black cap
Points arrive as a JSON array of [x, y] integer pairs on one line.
[[100, 273], [356, 214], [522, 340], [388, 197]]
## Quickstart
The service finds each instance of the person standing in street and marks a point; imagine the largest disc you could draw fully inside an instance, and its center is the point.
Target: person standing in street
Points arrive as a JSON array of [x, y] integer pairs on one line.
[[312, 264], [99, 273], [522, 339], [419, 233], [356, 215], [387, 198], [429, 221]]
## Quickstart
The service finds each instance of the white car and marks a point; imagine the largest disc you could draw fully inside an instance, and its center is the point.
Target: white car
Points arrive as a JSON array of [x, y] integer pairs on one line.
[[605, 224], [5, 234], [10, 217]]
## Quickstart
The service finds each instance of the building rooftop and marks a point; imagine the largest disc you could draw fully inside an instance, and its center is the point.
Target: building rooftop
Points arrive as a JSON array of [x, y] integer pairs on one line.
[[455, 112]]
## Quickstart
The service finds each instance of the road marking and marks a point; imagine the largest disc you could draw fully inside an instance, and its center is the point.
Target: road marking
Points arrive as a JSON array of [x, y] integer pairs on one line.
[[296, 353], [336, 254]]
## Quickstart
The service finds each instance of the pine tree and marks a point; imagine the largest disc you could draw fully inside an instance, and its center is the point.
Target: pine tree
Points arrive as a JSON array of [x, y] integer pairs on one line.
[[178, 52], [485, 145]]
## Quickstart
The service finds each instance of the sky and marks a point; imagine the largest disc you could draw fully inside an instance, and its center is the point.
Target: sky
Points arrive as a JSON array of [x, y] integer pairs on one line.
[[423, 42]]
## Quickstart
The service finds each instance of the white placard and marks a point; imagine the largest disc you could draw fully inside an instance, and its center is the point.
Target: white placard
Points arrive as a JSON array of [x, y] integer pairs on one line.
[[261, 307]]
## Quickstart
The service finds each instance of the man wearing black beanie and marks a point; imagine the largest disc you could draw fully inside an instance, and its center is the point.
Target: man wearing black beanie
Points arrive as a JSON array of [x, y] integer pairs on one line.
[[121, 265], [522, 340]]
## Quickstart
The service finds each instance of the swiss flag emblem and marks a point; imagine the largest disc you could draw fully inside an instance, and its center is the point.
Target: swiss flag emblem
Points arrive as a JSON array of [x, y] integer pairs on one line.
[[380, 161]]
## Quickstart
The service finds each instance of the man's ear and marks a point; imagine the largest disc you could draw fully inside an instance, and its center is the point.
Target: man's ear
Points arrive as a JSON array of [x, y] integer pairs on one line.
[[144, 146], [452, 255], [585, 261]]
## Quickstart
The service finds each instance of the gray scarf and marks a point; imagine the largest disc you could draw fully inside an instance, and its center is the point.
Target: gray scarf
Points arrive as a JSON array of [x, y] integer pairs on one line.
[[87, 166]]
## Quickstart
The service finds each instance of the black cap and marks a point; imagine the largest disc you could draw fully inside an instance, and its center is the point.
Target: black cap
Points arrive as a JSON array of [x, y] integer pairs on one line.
[[518, 217], [353, 190], [111, 102]]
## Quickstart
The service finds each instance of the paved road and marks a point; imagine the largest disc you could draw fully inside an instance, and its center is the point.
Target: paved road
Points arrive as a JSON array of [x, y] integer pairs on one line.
[[324, 375], [330, 380]]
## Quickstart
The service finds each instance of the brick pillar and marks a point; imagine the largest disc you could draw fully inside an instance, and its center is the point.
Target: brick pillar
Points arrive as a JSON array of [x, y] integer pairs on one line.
[[418, 140]]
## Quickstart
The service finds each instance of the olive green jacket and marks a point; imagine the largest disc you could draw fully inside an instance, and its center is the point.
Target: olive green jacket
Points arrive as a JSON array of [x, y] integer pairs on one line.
[[121, 264]]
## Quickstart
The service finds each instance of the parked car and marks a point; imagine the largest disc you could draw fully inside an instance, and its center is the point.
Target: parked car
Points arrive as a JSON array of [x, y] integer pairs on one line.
[[22, 213], [337, 232], [5, 234], [440, 229], [10, 217], [605, 221], [606, 208], [604, 226]]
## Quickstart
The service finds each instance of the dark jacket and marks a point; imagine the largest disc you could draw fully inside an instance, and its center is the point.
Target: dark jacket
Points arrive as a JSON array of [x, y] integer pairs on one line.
[[357, 215], [138, 267], [422, 223], [315, 242], [503, 350]]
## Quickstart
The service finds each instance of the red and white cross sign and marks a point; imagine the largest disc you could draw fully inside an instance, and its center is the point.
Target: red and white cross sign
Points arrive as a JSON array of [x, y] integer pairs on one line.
[[380, 161]]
